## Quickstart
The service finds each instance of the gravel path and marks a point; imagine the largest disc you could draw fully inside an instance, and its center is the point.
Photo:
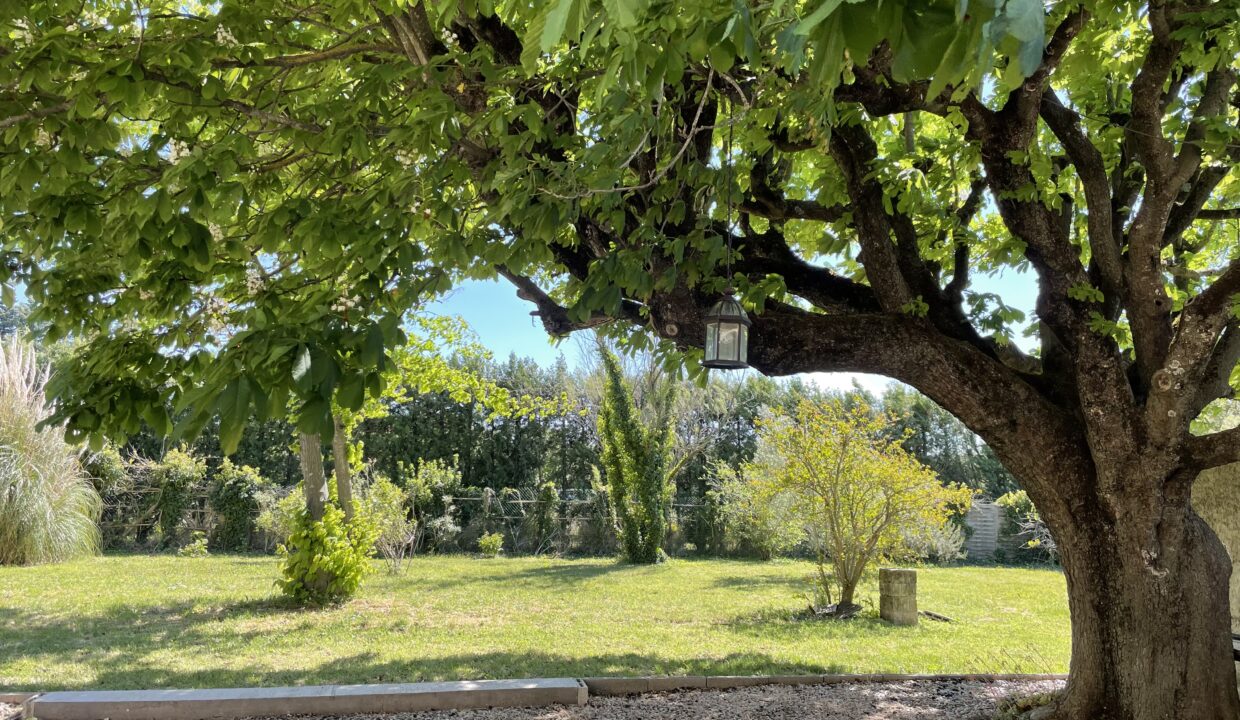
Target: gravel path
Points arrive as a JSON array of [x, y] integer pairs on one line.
[[861, 701]]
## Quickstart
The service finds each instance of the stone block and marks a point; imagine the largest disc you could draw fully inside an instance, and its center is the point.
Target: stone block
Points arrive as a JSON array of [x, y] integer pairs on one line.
[[897, 595]]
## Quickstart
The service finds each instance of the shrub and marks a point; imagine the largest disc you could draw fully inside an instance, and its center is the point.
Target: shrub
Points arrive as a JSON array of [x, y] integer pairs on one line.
[[387, 506], [1022, 522], [196, 547], [936, 542], [278, 510], [48, 507], [432, 485], [443, 530], [107, 470], [178, 476], [122, 507], [754, 524], [488, 515], [235, 498], [635, 461], [491, 544], [325, 561], [854, 490]]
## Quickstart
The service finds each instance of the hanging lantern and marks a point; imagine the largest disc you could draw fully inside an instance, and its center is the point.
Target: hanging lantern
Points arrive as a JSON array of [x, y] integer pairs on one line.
[[727, 325], [727, 335]]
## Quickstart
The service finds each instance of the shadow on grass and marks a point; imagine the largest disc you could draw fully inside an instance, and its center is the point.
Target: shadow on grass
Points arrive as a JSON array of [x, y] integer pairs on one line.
[[796, 585], [129, 647], [366, 668], [558, 576], [126, 648]]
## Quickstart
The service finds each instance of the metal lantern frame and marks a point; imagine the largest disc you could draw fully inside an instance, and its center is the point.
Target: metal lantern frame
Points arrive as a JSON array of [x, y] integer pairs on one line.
[[727, 335]]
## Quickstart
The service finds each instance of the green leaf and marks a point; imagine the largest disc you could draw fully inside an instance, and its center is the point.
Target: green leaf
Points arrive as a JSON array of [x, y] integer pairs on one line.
[[156, 416], [807, 25], [234, 409], [862, 28], [625, 13], [531, 44], [1084, 292], [556, 20], [301, 366], [351, 392], [372, 352]]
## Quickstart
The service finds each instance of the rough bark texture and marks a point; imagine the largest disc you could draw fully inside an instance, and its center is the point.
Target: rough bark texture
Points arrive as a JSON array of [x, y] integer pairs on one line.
[[1148, 638], [340, 466], [309, 447]]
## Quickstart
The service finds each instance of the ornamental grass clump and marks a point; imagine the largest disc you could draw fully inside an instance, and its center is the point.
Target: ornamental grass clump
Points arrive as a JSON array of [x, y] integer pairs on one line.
[[48, 507]]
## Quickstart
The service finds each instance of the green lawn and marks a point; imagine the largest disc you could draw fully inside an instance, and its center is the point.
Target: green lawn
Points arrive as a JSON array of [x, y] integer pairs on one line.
[[129, 622]]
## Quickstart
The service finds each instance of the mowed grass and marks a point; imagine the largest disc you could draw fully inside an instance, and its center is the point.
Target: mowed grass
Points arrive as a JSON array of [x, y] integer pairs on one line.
[[146, 622]]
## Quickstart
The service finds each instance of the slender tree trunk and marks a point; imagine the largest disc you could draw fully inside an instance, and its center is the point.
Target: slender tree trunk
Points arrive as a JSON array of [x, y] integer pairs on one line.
[[309, 446], [848, 588], [1148, 591], [340, 465]]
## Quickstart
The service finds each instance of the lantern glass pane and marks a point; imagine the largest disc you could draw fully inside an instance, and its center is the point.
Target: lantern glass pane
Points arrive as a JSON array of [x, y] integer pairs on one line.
[[712, 336], [744, 356], [729, 340]]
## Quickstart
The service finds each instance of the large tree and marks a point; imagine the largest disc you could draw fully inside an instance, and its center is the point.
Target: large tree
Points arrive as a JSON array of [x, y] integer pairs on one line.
[[235, 202]]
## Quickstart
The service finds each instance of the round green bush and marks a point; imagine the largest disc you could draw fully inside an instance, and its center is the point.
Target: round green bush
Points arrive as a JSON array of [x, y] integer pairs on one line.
[[491, 544]]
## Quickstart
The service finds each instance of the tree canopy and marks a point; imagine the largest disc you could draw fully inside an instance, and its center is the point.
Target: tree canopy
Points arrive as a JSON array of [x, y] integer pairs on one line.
[[239, 201]]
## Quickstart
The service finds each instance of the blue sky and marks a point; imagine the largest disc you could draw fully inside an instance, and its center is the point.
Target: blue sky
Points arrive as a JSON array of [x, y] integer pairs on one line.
[[504, 325]]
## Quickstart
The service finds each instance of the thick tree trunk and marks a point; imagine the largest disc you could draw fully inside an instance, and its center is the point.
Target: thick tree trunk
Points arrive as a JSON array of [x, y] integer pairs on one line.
[[1147, 587]]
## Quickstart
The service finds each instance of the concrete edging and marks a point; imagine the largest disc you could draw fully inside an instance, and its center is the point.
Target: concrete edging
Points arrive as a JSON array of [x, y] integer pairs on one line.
[[309, 700], [228, 703], [665, 683]]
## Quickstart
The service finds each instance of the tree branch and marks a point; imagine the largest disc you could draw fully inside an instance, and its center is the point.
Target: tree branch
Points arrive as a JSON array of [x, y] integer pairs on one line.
[[769, 253], [555, 317], [1219, 214], [960, 257], [291, 61], [1215, 449], [1190, 208], [34, 114], [1091, 168], [1217, 381]]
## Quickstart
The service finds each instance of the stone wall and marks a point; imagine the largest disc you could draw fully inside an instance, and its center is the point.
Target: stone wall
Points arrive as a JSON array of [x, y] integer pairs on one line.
[[1216, 497]]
